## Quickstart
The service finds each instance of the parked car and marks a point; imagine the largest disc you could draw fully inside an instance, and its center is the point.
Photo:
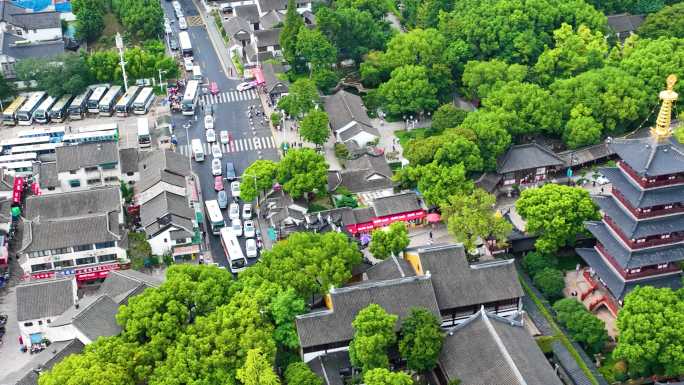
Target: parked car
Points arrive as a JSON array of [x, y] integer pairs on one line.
[[245, 86], [236, 227], [224, 136], [216, 151], [247, 211], [218, 183], [231, 175], [249, 229], [222, 198], [251, 248], [235, 189], [182, 24], [234, 211], [213, 88], [188, 63], [173, 44], [216, 167], [211, 136], [176, 5]]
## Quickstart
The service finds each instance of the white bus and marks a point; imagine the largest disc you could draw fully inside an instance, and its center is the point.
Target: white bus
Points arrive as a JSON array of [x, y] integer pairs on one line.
[[185, 45], [189, 101], [9, 116], [58, 112], [236, 259], [99, 127], [215, 216], [42, 113], [25, 113], [23, 157], [144, 138], [55, 133], [143, 101], [197, 150], [7, 144], [78, 106], [109, 100], [22, 168], [43, 148], [89, 137], [123, 106], [93, 102]]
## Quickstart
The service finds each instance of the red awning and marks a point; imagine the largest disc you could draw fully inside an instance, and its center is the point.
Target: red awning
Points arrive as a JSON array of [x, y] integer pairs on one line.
[[259, 76]]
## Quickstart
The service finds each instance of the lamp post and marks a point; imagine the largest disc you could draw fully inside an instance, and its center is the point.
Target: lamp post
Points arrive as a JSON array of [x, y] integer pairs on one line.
[[161, 86], [121, 48]]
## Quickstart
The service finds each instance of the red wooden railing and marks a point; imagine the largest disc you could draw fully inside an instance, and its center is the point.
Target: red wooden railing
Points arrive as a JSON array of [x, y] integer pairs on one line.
[[640, 245], [643, 182], [641, 214]]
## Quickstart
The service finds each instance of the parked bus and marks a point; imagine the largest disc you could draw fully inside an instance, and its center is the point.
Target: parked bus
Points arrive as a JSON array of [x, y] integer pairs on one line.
[[236, 259], [40, 149], [215, 216], [189, 101], [109, 100], [9, 116], [99, 127], [58, 112], [23, 157], [185, 45], [123, 106], [143, 101], [89, 137], [55, 133], [144, 138], [197, 150], [7, 144], [93, 102], [22, 168], [25, 113], [42, 113], [78, 106]]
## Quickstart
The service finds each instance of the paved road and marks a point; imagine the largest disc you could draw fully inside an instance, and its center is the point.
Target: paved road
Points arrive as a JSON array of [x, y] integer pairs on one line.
[[230, 113]]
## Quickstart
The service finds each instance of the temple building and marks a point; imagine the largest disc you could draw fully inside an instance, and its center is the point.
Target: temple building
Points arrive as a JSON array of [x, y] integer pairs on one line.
[[640, 240]]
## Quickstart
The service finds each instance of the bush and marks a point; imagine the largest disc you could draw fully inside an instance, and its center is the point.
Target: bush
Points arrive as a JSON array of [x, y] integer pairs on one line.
[[583, 326], [546, 344], [535, 262], [620, 371], [276, 118], [550, 282], [341, 151]]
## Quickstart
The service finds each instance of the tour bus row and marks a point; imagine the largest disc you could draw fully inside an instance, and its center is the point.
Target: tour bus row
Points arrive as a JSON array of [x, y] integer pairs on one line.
[[101, 99]]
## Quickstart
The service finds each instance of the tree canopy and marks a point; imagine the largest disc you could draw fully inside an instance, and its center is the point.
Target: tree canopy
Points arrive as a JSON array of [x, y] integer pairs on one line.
[[264, 171], [668, 22], [389, 241], [89, 19], [288, 35], [447, 116], [482, 77], [64, 74], [382, 376], [373, 335], [303, 171], [299, 373], [257, 370], [584, 327], [421, 340], [141, 19], [303, 97], [314, 127], [408, 91], [315, 49]]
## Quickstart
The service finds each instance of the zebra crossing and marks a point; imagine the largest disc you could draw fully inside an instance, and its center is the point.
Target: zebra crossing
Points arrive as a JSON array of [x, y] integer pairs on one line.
[[229, 97], [236, 145], [194, 21]]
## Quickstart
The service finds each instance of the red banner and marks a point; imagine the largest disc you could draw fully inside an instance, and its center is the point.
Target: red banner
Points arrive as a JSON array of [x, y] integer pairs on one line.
[[17, 189], [386, 220], [82, 274]]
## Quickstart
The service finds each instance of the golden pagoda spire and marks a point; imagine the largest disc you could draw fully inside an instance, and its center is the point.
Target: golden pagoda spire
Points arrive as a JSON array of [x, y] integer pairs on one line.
[[662, 128]]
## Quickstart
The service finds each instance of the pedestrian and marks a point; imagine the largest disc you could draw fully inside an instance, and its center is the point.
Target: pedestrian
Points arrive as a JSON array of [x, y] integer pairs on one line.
[[430, 234]]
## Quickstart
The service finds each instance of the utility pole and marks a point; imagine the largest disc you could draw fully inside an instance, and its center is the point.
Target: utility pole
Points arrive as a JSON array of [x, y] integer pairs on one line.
[[161, 72], [121, 48]]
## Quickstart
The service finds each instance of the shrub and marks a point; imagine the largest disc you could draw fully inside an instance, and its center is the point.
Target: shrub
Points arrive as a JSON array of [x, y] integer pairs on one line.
[[583, 326], [546, 343], [620, 371], [341, 151], [535, 262], [550, 282], [276, 117]]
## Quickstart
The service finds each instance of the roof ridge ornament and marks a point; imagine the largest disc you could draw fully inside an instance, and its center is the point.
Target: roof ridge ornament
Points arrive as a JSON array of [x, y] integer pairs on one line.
[[662, 128]]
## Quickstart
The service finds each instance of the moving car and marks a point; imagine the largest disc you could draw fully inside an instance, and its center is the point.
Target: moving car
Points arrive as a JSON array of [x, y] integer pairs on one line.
[[251, 248], [182, 24], [245, 86], [235, 189], [231, 175], [236, 226], [216, 167], [216, 151], [218, 183], [211, 136], [188, 63], [224, 136], [208, 122], [234, 211], [173, 44], [249, 229], [222, 198], [247, 211], [213, 88]]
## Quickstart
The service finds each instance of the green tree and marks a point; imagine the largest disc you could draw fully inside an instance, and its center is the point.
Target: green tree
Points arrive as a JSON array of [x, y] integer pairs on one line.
[[492, 136], [288, 35], [582, 129], [650, 332], [257, 370], [325, 79], [303, 97], [583, 326], [64, 74], [550, 282], [668, 22], [352, 31], [421, 340], [437, 183], [382, 376], [389, 241], [84, 367], [447, 116], [373, 335], [264, 171], [299, 373], [283, 309], [535, 261], [427, 15], [139, 250], [104, 65], [302, 171], [7, 88], [89, 19], [315, 49], [573, 53], [377, 8], [459, 150], [557, 213], [471, 216], [422, 151], [408, 91], [637, 59], [482, 77], [315, 127], [142, 19]]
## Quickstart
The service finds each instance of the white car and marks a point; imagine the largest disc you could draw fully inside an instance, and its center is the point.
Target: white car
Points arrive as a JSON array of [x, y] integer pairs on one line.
[[251, 249], [208, 122], [601, 180], [245, 86], [177, 6], [247, 211], [216, 151], [182, 24], [235, 189], [249, 229], [234, 211], [211, 136], [216, 167], [236, 227], [224, 136], [188, 63]]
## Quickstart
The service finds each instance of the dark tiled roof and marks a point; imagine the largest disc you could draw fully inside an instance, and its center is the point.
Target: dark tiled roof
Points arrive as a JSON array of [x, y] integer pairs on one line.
[[488, 349], [360, 215], [343, 108], [51, 357], [267, 37], [129, 160], [586, 154], [396, 296], [630, 259], [391, 268], [248, 12], [33, 50], [525, 157], [488, 181], [166, 204], [162, 166], [650, 158], [269, 5], [634, 228], [624, 22], [53, 234], [237, 28], [86, 155], [37, 20], [48, 174], [73, 204], [359, 180], [121, 284], [329, 366], [273, 83], [638, 197], [354, 128], [458, 284], [45, 298], [271, 19], [98, 319], [395, 204]]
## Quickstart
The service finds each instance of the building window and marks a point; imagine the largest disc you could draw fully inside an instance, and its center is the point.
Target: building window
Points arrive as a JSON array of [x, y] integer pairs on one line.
[[28, 323], [73, 172], [112, 179], [90, 169], [51, 188], [41, 267], [85, 261], [63, 250], [130, 173], [93, 181], [108, 166], [75, 183], [104, 245], [107, 258], [48, 320], [180, 241], [83, 247], [40, 322], [65, 263]]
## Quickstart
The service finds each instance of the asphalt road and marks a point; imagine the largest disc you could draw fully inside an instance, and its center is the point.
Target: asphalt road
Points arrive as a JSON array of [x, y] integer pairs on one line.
[[230, 113]]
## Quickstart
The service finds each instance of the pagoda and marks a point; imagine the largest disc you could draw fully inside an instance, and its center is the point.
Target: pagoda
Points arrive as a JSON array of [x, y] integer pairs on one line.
[[640, 239]]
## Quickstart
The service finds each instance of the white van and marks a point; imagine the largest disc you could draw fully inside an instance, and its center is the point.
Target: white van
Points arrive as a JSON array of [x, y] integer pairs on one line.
[[197, 150], [196, 73]]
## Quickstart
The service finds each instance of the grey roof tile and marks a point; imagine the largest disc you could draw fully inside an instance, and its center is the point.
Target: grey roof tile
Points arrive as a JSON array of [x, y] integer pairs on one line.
[[271, 19], [121, 284], [48, 174], [527, 156], [650, 158], [248, 12], [164, 210], [638, 197], [610, 278], [395, 204], [391, 268], [36, 20], [98, 319], [86, 155], [273, 83], [237, 28], [51, 357], [330, 366], [162, 165], [129, 160], [27, 51], [76, 231], [269, 5], [642, 228], [267, 37], [45, 298], [343, 108], [73, 204], [624, 22]]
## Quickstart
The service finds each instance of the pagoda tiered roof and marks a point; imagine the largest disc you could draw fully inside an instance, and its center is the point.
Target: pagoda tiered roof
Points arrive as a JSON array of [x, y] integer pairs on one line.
[[650, 157], [631, 259], [641, 198], [633, 228]]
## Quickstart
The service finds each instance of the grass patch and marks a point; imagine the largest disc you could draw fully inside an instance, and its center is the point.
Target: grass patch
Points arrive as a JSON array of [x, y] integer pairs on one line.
[[237, 63], [107, 39], [417, 133]]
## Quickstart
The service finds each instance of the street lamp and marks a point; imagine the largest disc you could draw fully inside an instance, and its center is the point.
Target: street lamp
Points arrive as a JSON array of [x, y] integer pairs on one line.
[[121, 48], [161, 72]]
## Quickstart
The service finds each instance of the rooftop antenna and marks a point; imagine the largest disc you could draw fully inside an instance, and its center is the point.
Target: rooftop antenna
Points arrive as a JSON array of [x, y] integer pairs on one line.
[[662, 128]]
